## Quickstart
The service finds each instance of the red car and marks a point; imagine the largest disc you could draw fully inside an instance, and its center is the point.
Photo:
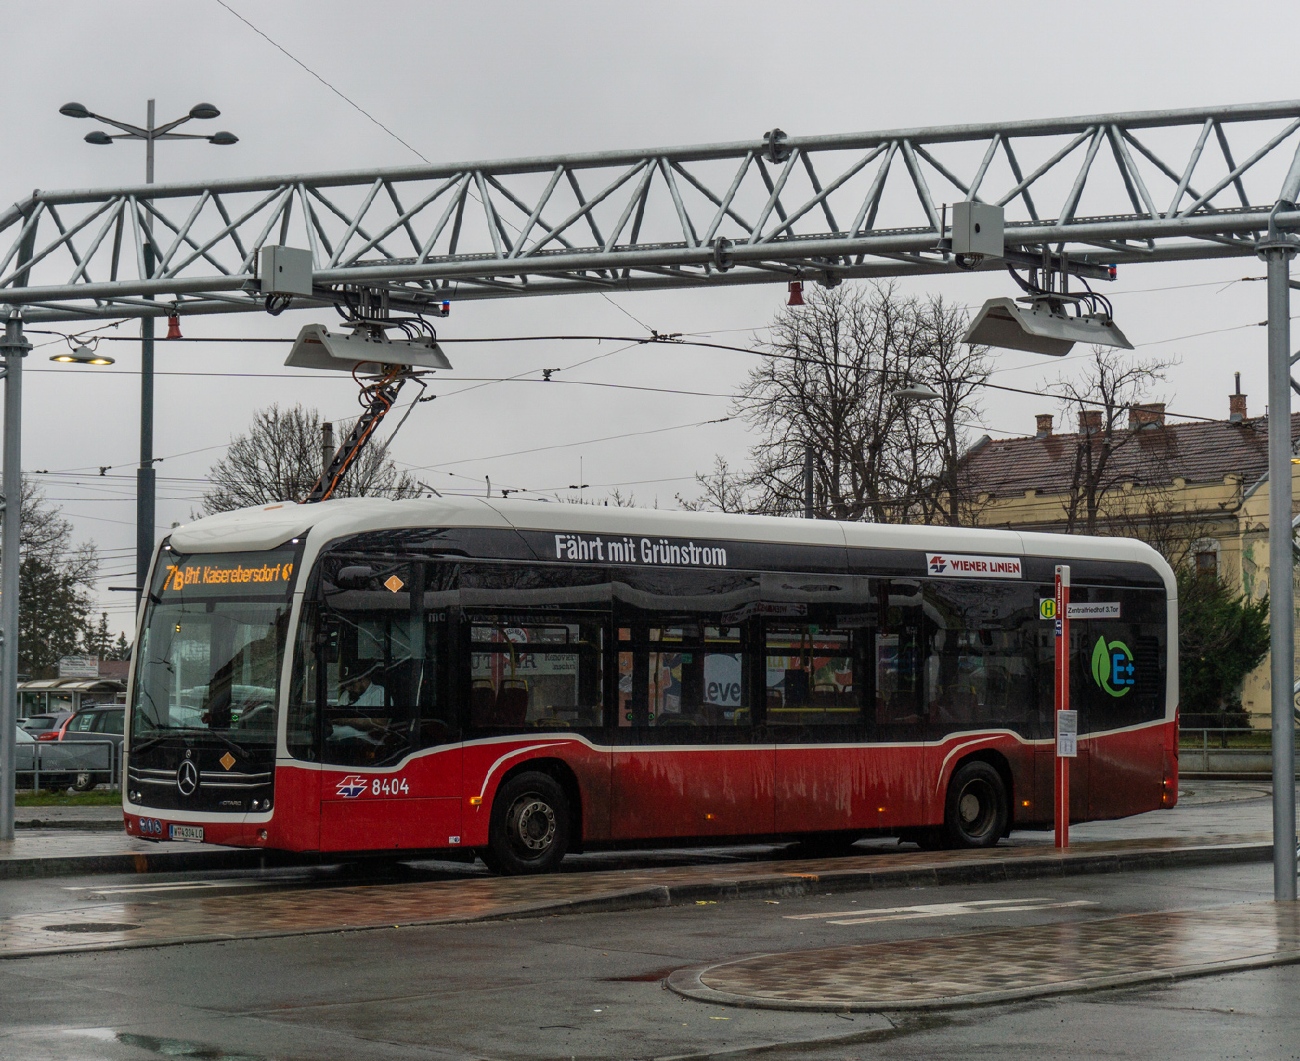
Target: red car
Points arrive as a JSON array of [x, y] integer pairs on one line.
[[48, 726]]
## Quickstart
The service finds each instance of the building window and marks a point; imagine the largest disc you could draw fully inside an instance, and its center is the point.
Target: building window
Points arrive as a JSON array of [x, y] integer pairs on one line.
[[1205, 555]]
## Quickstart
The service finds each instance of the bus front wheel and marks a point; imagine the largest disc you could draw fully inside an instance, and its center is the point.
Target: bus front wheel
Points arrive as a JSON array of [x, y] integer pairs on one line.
[[529, 831], [976, 811]]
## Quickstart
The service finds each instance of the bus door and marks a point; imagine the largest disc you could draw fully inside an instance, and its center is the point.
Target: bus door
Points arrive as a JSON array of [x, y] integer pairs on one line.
[[387, 731], [688, 760], [817, 685], [896, 708]]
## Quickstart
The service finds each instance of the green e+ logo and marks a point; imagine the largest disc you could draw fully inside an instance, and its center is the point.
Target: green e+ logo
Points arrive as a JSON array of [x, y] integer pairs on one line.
[[1112, 667]]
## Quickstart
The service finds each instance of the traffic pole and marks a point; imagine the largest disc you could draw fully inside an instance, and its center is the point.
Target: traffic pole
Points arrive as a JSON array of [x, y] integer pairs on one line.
[[1065, 726], [14, 348], [1277, 251]]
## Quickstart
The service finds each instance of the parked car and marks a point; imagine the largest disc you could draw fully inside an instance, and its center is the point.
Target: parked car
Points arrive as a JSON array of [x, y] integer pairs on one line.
[[100, 723], [45, 726], [60, 764]]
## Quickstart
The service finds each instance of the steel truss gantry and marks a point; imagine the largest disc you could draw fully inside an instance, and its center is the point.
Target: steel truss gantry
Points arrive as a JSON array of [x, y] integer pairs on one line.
[[1102, 189], [1118, 188]]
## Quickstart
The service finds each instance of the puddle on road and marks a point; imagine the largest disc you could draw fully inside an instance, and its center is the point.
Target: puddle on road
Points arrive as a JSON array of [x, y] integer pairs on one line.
[[653, 976], [91, 926], [165, 1047]]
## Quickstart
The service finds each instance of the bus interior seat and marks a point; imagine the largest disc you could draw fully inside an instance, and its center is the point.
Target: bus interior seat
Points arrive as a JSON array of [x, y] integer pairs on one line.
[[511, 704], [482, 702]]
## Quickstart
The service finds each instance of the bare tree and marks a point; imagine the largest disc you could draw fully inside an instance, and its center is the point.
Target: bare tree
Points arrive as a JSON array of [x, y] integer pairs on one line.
[[279, 459], [1101, 399], [722, 490], [829, 386], [956, 371]]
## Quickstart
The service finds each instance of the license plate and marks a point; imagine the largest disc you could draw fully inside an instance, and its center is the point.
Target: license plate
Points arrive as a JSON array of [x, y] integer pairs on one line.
[[185, 832]]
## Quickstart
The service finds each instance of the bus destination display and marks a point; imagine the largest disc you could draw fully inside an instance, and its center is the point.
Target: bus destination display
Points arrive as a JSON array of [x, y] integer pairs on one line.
[[269, 574]]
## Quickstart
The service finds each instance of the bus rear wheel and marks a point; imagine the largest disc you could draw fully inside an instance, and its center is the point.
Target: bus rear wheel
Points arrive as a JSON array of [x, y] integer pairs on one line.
[[976, 811], [529, 831]]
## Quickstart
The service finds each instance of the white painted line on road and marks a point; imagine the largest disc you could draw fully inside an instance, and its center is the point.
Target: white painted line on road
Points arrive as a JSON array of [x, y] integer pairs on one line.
[[180, 886], [956, 913], [929, 910]]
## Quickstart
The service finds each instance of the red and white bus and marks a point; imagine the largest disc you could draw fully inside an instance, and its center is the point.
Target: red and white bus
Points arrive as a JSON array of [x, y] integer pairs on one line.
[[523, 679]]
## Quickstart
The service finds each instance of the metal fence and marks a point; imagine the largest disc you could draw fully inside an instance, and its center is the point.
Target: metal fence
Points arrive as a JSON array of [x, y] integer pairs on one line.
[[1226, 750], [42, 763]]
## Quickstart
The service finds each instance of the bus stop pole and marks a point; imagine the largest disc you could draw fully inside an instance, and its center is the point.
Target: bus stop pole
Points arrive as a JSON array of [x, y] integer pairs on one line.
[[1277, 251], [14, 348], [1061, 772]]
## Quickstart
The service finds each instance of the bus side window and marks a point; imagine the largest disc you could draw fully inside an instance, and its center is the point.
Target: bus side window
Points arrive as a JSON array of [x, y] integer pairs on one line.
[[675, 673], [980, 665], [536, 671], [810, 675]]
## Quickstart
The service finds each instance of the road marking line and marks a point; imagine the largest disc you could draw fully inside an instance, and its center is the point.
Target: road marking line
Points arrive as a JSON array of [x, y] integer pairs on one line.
[[930, 910], [179, 886]]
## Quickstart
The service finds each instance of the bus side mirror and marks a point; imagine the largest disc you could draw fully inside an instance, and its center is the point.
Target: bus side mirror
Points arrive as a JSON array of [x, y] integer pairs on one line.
[[357, 576]]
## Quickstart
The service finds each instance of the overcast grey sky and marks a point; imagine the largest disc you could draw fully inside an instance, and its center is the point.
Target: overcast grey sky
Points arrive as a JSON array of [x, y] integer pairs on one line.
[[485, 80]]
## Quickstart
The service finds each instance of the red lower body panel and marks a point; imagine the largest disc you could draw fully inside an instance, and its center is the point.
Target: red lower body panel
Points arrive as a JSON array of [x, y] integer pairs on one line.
[[443, 798]]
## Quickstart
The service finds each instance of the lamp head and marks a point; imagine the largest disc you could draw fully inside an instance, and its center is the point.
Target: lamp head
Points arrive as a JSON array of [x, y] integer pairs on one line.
[[99, 138], [223, 139], [917, 392], [74, 110], [203, 110], [81, 354]]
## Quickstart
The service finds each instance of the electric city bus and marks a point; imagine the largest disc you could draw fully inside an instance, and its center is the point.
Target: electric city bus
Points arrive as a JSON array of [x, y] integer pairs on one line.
[[520, 680]]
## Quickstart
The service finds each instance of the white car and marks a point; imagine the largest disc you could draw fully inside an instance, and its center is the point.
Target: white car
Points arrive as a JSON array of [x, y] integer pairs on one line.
[[59, 763]]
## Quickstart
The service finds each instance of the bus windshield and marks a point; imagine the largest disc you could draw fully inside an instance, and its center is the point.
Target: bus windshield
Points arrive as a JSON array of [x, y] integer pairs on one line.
[[213, 642]]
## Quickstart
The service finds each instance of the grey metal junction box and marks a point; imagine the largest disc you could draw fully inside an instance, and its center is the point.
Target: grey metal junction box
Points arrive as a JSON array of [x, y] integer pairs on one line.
[[285, 271], [977, 229]]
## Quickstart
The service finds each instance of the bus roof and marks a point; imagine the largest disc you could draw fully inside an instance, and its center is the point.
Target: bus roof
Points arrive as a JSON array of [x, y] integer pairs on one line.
[[267, 526]]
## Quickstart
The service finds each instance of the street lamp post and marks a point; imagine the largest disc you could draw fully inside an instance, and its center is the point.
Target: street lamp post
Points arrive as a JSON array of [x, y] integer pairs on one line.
[[145, 491]]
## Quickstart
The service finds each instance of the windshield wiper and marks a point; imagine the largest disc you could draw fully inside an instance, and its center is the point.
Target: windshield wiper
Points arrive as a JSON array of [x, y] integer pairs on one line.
[[191, 731], [238, 749]]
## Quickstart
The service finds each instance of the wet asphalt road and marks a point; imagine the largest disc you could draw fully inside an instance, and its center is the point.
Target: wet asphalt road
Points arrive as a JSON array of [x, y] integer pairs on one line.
[[589, 986]]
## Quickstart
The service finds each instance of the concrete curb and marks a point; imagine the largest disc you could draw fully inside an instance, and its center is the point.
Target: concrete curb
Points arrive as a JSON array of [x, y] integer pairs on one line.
[[688, 984], [856, 879], [1238, 775], [132, 862], [89, 825]]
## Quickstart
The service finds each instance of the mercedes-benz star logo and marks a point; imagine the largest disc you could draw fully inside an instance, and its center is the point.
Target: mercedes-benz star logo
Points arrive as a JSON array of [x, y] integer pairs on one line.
[[187, 777]]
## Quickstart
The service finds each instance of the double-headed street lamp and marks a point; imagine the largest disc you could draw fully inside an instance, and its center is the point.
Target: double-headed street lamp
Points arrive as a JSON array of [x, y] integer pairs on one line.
[[149, 133]]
